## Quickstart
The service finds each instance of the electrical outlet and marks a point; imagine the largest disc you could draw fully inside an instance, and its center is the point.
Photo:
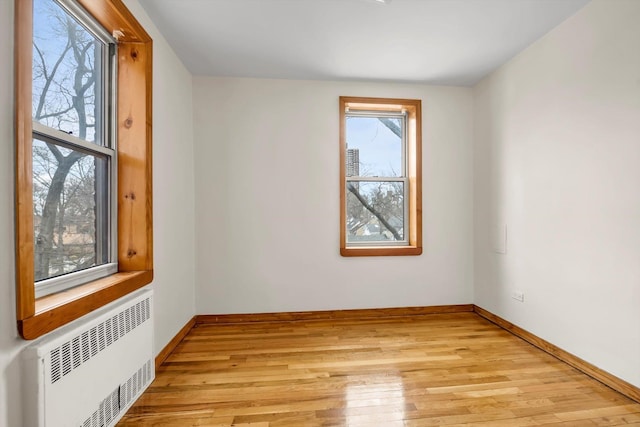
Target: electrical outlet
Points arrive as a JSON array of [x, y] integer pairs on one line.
[[518, 296]]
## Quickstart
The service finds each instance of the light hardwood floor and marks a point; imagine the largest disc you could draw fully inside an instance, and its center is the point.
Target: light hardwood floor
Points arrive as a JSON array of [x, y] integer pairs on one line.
[[439, 369]]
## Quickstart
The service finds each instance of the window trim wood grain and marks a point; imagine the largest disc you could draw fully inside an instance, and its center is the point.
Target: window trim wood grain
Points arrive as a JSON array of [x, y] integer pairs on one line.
[[36, 317], [413, 108]]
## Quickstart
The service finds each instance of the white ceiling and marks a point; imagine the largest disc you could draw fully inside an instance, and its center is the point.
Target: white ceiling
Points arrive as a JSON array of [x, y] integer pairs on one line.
[[452, 42]]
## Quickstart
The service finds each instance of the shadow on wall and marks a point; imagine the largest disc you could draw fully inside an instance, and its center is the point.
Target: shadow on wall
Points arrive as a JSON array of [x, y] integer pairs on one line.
[[12, 392]]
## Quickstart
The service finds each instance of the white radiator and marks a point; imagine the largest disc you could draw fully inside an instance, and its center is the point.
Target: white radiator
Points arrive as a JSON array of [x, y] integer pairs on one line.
[[88, 373]]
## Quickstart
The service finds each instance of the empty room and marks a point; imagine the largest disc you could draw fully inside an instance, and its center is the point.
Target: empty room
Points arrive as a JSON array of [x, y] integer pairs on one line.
[[270, 213]]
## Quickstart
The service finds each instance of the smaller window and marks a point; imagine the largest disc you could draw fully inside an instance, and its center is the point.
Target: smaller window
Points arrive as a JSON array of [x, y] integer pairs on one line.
[[380, 169]]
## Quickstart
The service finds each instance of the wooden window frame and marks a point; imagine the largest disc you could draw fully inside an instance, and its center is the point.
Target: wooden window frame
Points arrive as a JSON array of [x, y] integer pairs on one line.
[[413, 109], [36, 317]]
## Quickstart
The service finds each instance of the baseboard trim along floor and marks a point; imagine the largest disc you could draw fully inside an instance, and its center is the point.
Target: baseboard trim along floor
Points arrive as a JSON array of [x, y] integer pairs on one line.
[[610, 380], [589, 369]]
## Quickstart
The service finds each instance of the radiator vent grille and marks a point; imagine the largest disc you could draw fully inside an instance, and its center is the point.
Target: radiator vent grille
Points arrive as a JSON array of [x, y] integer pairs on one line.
[[71, 354], [90, 372], [120, 397], [108, 411], [137, 382]]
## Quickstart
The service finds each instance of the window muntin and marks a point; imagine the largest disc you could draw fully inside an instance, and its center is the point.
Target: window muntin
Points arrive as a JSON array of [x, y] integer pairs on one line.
[[70, 70], [376, 213], [376, 180], [73, 149], [132, 68], [381, 176]]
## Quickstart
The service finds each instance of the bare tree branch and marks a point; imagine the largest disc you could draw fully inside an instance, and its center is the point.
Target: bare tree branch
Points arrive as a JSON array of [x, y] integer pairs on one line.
[[373, 210], [391, 125], [56, 152], [48, 79], [64, 90], [56, 114]]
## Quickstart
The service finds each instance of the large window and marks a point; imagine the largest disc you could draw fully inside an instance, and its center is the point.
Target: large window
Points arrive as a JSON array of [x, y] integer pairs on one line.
[[380, 177], [83, 159], [73, 150]]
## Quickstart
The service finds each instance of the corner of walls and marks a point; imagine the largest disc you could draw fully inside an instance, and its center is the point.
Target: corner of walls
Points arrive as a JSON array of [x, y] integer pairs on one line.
[[10, 343], [267, 185], [555, 153], [173, 183], [174, 204]]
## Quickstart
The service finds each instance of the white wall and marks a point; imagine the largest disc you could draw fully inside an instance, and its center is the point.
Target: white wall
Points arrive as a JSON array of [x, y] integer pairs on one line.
[[173, 205], [267, 200], [557, 159], [10, 344], [173, 187]]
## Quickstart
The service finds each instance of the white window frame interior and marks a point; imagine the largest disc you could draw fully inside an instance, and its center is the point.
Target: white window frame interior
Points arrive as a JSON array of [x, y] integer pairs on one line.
[[403, 178], [104, 147]]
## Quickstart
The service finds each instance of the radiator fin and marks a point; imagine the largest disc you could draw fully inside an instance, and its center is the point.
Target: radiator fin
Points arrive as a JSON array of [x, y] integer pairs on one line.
[[55, 365], [77, 352], [120, 398], [90, 372], [73, 353]]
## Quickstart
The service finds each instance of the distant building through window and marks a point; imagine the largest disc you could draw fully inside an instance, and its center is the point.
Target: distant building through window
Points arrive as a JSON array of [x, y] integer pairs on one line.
[[380, 177], [353, 162]]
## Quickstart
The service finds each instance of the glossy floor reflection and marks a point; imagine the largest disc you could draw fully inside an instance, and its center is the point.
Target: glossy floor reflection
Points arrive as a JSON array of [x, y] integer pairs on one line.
[[376, 391], [449, 369]]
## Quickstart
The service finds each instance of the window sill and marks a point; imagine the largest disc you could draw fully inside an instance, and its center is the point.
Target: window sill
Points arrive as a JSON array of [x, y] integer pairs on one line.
[[381, 251], [53, 311]]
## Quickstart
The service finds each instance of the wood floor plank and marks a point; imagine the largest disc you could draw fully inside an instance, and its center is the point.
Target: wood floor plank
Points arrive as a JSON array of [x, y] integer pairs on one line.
[[429, 370]]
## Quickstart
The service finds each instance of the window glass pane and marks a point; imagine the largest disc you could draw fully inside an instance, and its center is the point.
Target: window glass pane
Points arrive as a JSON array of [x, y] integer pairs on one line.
[[375, 211], [70, 210], [374, 146], [67, 73]]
